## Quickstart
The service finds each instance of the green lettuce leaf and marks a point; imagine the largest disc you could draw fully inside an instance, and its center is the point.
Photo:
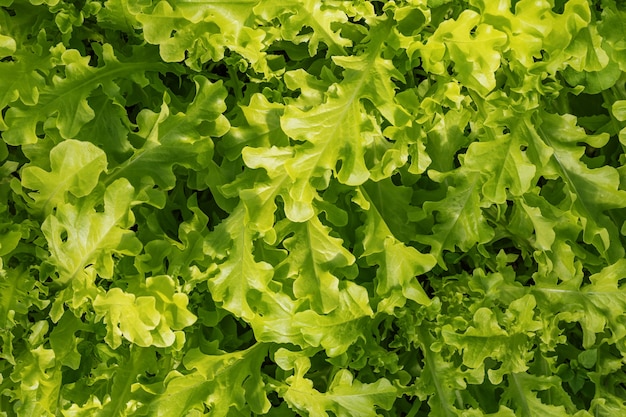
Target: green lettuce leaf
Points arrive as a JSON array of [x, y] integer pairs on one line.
[[225, 383], [75, 168], [344, 397]]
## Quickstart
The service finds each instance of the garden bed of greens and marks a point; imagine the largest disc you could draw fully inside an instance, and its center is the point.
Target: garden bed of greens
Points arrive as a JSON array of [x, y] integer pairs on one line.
[[313, 208]]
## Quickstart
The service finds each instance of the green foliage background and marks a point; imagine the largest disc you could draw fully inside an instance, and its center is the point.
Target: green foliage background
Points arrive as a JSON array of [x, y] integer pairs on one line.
[[312, 207]]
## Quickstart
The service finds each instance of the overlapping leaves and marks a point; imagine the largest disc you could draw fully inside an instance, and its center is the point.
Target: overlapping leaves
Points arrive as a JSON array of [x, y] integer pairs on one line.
[[312, 208]]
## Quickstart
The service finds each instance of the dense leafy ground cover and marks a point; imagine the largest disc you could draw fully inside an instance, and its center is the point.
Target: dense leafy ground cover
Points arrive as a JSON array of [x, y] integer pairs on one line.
[[312, 207]]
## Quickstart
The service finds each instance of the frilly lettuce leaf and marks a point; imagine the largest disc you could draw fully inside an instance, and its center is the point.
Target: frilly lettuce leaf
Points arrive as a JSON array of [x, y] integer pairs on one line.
[[313, 256], [504, 163], [154, 317], [64, 100], [339, 329], [476, 55], [238, 273], [75, 168], [334, 133], [592, 191], [383, 233], [324, 20], [344, 397], [79, 236], [460, 221], [198, 33], [171, 138]]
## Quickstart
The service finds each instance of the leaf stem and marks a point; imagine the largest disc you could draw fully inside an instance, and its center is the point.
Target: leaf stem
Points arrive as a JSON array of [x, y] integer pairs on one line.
[[237, 89], [520, 396]]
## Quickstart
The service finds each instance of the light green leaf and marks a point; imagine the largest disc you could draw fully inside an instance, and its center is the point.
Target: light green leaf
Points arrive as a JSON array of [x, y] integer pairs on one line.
[[333, 132], [276, 321], [20, 80], [314, 255], [398, 269], [200, 32], [171, 304], [39, 383], [124, 382], [113, 127], [475, 49], [9, 240], [227, 383], [19, 291], [154, 316], [587, 52], [594, 82], [64, 341], [183, 394], [459, 220], [389, 210], [619, 110], [345, 396], [592, 191], [342, 327], [238, 273], [523, 392], [543, 225], [298, 197], [612, 27], [261, 128], [596, 306], [523, 44], [445, 137], [485, 338], [7, 46], [237, 369], [175, 139], [439, 380], [75, 168], [79, 236], [295, 15], [125, 315], [65, 99], [388, 207], [555, 230], [575, 17], [117, 14], [506, 167]]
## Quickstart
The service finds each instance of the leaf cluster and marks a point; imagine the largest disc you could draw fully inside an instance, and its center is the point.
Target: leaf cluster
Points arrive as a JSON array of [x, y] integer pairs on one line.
[[323, 208]]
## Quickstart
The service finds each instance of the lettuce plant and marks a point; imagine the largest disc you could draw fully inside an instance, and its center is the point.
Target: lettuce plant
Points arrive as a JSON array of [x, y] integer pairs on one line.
[[313, 208]]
